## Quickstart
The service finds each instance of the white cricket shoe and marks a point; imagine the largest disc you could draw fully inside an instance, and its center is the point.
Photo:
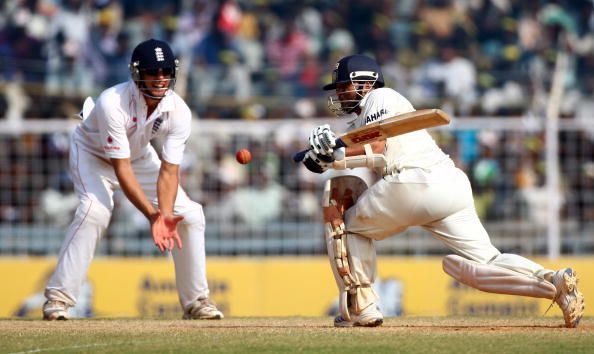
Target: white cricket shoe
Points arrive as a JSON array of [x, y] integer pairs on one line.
[[568, 297], [55, 310], [203, 309], [369, 317]]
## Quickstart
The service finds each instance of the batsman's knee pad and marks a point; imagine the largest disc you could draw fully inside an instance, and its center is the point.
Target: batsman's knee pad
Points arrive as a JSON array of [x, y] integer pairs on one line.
[[352, 257], [494, 279], [93, 212]]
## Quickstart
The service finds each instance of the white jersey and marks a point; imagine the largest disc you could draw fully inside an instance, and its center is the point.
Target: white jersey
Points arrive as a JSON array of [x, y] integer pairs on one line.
[[118, 126], [415, 149]]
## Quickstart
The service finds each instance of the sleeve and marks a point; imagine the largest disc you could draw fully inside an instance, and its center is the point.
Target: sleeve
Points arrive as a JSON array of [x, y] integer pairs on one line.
[[384, 103], [180, 125], [112, 130]]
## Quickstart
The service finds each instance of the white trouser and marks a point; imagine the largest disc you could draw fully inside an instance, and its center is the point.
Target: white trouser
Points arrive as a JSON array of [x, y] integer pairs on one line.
[[440, 201], [94, 182]]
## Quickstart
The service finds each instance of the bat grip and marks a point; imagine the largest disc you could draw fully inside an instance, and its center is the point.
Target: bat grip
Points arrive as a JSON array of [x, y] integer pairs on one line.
[[298, 157]]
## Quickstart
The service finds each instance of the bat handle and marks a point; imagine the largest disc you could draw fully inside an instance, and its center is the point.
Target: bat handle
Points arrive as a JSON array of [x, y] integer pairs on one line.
[[298, 157]]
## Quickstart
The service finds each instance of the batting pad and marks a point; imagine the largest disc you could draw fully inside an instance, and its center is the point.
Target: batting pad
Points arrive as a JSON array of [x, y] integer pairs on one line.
[[493, 279], [352, 258]]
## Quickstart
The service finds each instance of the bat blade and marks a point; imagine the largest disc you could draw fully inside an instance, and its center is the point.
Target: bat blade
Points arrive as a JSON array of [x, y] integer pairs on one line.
[[389, 127], [397, 125]]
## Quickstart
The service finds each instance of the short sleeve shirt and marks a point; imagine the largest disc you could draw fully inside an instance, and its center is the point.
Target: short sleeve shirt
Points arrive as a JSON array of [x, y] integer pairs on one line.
[[118, 126]]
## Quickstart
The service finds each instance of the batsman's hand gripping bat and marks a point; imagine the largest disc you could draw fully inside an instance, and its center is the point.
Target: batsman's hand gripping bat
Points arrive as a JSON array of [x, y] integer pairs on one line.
[[397, 125]]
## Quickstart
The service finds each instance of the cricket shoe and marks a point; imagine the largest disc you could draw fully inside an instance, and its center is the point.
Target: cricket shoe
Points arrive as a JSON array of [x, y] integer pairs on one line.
[[55, 310], [370, 317], [203, 309], [568, 297]]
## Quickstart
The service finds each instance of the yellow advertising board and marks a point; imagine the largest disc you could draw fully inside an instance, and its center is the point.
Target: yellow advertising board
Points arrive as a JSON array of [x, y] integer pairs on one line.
[[267, 286]]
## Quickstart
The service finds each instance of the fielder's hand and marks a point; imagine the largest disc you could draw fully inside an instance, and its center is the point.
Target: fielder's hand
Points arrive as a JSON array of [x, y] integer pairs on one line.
[[322, 140], [164, 230]]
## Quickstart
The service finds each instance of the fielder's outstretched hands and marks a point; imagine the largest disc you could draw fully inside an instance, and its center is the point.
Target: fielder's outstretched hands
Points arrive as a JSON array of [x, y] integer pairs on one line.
[[322, 140], [164, 230]]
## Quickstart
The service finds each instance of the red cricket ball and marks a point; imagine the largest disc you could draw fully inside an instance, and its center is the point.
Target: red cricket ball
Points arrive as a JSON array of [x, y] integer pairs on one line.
[[243, 156]]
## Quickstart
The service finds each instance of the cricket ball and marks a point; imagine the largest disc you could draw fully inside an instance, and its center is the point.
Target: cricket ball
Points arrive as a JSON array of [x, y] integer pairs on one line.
[[243, 156]]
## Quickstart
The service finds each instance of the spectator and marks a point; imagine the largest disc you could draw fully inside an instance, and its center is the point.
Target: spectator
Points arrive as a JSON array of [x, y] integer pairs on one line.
[[67, 65], [288, 53]]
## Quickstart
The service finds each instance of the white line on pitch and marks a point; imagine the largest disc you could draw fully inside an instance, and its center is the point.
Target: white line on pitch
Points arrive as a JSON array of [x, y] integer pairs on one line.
[[39, 350]]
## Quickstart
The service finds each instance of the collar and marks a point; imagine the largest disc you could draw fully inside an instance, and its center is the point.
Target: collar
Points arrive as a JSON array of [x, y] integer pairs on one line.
[[352, 122], [352, 118], [167, 103], [364, 99]]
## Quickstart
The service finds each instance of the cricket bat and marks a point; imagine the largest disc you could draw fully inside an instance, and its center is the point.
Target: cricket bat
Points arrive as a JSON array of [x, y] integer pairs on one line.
[[397, 125]]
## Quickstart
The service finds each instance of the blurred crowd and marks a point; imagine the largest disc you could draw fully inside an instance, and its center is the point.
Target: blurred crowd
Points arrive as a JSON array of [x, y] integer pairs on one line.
[[266, 60], [256, 59], [278, 200]]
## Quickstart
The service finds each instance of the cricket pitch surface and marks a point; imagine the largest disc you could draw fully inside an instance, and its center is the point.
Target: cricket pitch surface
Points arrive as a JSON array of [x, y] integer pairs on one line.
[[297, 334]]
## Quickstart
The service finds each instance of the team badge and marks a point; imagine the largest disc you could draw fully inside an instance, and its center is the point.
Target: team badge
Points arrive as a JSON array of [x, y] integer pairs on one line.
[[159, 54], [157, 125]]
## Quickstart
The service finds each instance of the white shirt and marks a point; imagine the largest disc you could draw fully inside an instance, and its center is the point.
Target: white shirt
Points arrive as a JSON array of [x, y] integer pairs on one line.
[[414, 149], [118, 126]]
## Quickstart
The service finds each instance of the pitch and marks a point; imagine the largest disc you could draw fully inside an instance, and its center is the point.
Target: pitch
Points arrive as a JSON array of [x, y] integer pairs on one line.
[[306, 335]]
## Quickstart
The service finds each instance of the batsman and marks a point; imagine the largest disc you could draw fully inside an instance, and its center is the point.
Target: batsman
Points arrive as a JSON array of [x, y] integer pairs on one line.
[[419, 186]]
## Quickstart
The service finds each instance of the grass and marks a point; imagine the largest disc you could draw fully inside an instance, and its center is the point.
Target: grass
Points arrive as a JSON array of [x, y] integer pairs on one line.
[[303, 335]]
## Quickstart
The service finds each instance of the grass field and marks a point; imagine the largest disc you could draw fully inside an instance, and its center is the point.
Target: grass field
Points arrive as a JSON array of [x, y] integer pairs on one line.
[[304, 335]]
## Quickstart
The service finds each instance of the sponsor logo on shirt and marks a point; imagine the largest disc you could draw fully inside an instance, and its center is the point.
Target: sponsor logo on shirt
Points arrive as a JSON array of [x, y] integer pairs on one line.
[[375, 116], [110, 147], [133, 127], [366, 137]]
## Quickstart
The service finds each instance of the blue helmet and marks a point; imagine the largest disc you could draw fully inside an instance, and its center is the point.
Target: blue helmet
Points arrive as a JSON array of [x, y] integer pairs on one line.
[[150, 57], [356, 68]]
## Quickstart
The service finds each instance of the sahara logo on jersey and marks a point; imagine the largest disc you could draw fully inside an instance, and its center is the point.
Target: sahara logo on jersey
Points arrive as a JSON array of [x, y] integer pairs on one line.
[[375, 116]]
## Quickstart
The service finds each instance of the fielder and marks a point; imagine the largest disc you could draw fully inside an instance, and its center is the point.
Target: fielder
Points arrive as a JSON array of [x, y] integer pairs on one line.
[[420, 186], [110, 149]]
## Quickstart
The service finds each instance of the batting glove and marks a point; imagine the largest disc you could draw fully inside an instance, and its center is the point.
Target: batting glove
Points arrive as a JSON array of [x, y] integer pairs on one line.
[[322, 140], [317, 163]]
